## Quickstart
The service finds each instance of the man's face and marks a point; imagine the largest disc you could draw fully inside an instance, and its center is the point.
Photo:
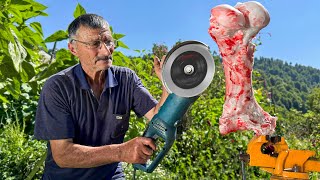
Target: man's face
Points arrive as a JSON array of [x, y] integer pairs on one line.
[[88, 46]]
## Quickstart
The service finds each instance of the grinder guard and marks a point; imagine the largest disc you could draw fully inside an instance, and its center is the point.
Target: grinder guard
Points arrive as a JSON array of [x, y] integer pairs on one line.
[[192, 54], [187, 71]]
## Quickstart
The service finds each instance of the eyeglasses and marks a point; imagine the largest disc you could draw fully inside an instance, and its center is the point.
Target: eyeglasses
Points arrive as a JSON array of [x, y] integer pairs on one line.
[[97, 44]]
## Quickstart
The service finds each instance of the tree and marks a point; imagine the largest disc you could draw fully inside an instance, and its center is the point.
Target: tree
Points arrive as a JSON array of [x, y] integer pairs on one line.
[[314, 100]]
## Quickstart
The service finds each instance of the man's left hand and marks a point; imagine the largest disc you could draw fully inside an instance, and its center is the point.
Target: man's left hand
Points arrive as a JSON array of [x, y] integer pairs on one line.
[[158, 66]]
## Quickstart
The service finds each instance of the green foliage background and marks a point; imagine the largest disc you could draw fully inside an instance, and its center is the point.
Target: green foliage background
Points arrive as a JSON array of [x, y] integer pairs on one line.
[[200, 152]]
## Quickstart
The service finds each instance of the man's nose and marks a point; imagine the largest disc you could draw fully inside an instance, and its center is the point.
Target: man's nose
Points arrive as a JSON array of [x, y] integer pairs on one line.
[[105, 49]]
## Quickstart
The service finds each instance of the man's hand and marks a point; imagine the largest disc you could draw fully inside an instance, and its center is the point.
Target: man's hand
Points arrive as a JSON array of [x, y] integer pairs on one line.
[[158, 66], [137, 150]]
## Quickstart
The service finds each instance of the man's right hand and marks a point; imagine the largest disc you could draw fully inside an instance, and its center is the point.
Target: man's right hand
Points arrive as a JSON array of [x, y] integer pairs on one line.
[[137, 150]]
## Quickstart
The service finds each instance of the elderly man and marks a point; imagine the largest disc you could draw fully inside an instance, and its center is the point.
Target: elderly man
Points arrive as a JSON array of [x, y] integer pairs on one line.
[[84, 110]]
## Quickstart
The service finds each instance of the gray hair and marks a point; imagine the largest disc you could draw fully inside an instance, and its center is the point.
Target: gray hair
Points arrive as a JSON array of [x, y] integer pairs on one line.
[[89, 20]]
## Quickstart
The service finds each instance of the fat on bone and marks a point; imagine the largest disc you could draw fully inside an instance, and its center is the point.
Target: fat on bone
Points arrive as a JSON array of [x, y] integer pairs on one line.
[[233, 28]]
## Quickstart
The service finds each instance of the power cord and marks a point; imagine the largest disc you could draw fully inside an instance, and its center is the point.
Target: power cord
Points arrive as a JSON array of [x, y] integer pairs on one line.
[[134, 174]]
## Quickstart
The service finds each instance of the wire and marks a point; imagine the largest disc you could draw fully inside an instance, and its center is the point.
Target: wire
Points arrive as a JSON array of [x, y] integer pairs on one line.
[[134, 174]]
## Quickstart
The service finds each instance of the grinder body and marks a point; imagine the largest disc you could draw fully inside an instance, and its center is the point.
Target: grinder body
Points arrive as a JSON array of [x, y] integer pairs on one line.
[[164, 126], [187, 71]]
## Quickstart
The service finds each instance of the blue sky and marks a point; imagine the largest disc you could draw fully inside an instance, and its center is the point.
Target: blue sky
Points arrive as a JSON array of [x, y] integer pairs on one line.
[[294, 25]]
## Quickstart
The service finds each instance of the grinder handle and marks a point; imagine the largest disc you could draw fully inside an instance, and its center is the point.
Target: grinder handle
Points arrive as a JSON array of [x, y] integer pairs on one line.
[[163, 125], [149, 167], [158, 129]]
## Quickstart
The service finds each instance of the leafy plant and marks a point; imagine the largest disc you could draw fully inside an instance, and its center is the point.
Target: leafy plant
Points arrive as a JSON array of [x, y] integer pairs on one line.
[[20, 43], [18, 152]]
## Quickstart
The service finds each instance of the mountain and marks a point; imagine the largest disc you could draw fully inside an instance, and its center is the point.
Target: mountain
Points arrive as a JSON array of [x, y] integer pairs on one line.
[[288, 85]]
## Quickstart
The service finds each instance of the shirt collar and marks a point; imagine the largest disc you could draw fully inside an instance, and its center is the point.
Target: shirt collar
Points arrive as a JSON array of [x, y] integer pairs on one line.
[[111, 81]]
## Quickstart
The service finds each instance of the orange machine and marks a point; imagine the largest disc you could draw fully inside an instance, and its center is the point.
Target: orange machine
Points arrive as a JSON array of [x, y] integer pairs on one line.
[[273, 155]]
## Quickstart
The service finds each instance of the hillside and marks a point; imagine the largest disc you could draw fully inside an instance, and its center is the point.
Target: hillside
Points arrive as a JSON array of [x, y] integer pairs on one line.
[[288, 85]]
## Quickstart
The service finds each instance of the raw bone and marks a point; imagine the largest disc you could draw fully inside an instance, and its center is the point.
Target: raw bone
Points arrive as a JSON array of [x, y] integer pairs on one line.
[[233, 28]]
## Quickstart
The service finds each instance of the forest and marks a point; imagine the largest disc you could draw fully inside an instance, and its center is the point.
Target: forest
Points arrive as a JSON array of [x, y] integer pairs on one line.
[[289, 85], [290, 92]]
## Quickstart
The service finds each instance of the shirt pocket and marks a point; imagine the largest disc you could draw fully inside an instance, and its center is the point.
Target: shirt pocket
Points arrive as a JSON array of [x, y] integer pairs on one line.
[[120, 124]]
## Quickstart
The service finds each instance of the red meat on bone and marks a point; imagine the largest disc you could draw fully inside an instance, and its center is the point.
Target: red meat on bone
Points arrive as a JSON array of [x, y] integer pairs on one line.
[[233, 28]]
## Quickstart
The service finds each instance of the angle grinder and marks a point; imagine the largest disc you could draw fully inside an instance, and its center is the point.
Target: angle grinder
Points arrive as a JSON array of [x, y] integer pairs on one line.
[[187, 71]]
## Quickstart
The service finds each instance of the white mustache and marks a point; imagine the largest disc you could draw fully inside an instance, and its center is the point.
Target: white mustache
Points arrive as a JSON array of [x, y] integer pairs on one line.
[[104, 58]]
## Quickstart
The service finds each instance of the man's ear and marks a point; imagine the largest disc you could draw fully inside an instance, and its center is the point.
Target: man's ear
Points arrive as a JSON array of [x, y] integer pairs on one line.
[[72, 49]]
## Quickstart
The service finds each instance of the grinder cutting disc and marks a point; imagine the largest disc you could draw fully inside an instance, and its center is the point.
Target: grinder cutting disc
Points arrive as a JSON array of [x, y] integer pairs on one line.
[[188, 69]]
